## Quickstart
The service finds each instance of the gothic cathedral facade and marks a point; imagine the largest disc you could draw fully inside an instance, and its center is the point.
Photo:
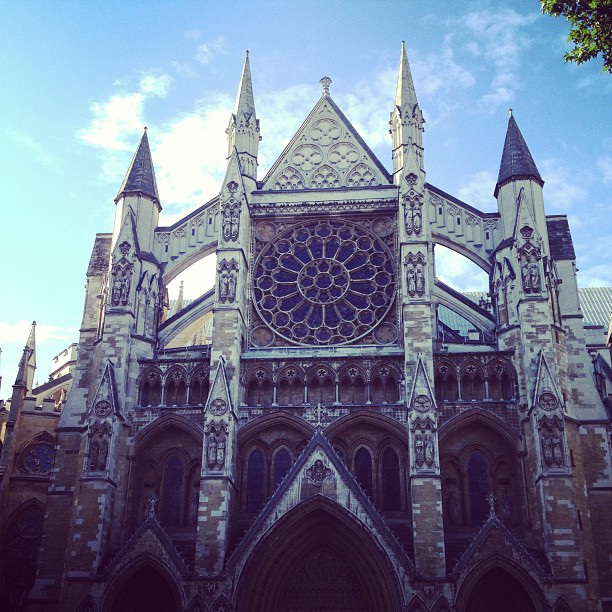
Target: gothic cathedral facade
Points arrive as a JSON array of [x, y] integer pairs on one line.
[[333, 443]]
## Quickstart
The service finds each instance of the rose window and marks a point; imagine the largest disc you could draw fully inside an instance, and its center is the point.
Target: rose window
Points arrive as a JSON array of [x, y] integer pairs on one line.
[[324, 283]]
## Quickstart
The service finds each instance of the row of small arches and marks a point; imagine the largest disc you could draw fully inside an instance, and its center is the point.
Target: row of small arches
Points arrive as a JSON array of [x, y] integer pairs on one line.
[[175, 388]]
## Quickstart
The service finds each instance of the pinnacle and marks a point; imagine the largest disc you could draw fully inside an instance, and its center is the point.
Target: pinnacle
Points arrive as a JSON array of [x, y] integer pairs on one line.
[[140, 177]]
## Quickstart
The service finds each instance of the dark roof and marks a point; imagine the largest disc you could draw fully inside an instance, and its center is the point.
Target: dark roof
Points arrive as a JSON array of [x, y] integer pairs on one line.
[[560, 238], [140, 177], [596, 304], [516, 162], [100, 255]]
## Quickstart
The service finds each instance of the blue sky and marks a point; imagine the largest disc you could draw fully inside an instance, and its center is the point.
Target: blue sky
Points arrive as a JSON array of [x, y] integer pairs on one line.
[[80, 80]]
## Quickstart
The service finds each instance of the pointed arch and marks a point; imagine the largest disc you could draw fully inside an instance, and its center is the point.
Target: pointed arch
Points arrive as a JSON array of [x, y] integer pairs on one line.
[[328, 551]]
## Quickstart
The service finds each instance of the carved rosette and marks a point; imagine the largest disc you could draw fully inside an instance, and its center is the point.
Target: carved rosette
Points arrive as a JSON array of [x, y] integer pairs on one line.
[[318, 472]]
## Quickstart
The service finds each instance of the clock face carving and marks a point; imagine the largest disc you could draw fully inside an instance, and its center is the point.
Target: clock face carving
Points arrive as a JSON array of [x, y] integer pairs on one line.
[[324, 283]]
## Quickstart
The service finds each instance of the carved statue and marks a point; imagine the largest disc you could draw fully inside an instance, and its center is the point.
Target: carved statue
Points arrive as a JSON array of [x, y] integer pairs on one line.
[[231, 286], [411, 281], [420, 281], [417, 218], [212, 450], [234, 223], [534, 277], [227, 231], [452, 504], [221, 453], [94, 451], [151, 506], [419, 452], [557, 446], [408, 218], [547, 449], [429, 450], [125, 289], [223, 285], [103, 454], [116, 294]]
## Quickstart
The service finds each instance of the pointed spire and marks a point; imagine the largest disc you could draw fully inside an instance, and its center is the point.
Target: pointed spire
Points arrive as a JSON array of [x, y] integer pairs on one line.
[[245, 102], [27, 363], [405, 94], [140, 177], [180, 300], [516, 162]]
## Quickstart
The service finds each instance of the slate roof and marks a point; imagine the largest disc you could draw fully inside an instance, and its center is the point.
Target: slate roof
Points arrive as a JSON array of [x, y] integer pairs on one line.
[[140, 177], [596, 304], [560, 238], [516, 162]]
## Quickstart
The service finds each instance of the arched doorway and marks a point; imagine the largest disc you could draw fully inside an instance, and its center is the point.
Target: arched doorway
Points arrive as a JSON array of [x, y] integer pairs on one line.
[[316, 559], [499, 590], [146, 590]]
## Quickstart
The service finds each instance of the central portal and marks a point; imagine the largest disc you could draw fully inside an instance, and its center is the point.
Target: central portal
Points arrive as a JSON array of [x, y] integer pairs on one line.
[[318, 561]]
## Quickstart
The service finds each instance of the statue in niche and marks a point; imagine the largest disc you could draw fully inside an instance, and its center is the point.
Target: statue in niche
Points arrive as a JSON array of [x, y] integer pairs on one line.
[[103, 454], [557, 449], [221, 453], [429, 450], [151, 505], [121, 288], [234, 223], [417, 218], [547, 449], [411, 281], [94, 451], [211, 451], [530, 274], [231, 286], [318, 472], [408, 217], [230, 222], [419, 452], [452, 505], [223, 285], [420, 281], [116, 294]]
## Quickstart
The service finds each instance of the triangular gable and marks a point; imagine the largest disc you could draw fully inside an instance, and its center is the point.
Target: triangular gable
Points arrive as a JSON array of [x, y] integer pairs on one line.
[[127, 235], [320, 471], [525, 231], [421, 397], [150, 536], [494, 538], [326, 152], [546, 393], [105, 401], [219, 397]]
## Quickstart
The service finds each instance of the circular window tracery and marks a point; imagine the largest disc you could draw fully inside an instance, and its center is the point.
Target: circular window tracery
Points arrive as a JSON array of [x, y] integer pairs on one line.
[[324, 283]]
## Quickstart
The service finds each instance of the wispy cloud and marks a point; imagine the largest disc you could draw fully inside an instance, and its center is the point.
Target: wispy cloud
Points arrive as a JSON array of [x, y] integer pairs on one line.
[[605, 165], [561, 192], [18, 333], [37, 149], [206, 52], [478, 191], [499, 37]]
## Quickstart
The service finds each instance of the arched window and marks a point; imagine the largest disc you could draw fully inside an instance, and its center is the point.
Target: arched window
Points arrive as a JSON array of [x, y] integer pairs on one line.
[[260, 391], [352, 387], [176, 389], [321, 388], [198, 394], [172, 492], [472, 384], [150, 389], [445, 382], [255, 482], [478, 488], [391, 481], [282, 464], [363, 470], [20, 554], [384, 388]]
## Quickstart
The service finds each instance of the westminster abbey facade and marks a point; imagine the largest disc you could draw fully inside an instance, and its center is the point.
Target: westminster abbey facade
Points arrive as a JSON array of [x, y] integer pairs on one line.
[[314, 433]]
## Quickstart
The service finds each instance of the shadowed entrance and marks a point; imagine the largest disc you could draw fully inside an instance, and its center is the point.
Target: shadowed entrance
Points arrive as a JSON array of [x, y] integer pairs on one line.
[[500, 591], [316, 559]]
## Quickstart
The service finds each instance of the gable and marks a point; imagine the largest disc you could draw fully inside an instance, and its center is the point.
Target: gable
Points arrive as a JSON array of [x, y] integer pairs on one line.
[[326, 153]]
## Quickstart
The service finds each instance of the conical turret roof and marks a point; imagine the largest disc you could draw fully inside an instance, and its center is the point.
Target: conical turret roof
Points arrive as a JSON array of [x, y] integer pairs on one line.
[[516, 162], [140, 177]]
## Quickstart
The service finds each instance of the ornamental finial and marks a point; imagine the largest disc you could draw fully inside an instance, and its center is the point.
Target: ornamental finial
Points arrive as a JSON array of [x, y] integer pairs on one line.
[[326, 82]]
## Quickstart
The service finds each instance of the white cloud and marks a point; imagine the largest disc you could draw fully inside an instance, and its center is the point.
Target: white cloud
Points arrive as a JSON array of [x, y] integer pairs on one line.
[[478, 191], [501, 38], [561, 192], [206, 51], [18, 333], [459, 272], [605, 165]]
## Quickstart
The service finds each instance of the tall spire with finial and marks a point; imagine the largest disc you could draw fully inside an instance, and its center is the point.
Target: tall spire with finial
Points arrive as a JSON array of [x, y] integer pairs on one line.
[[243, 129], [406, 120]]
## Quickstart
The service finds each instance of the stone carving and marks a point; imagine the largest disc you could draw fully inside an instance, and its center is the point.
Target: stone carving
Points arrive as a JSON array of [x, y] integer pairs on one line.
[[218, 407], [228, 279], [429, 450], [151, 502], [231, 221], [325, 178], [415, 274], [289, 179], [547, 401], [531, 277], [102, 408], [325, 131], [98, 447], [551, 436], [265, 231], [419, 450], [343, 155], [306, 157], [122, 275], [215, 448], [318, 472], [361, 176], [125, 247], [421, 403]]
